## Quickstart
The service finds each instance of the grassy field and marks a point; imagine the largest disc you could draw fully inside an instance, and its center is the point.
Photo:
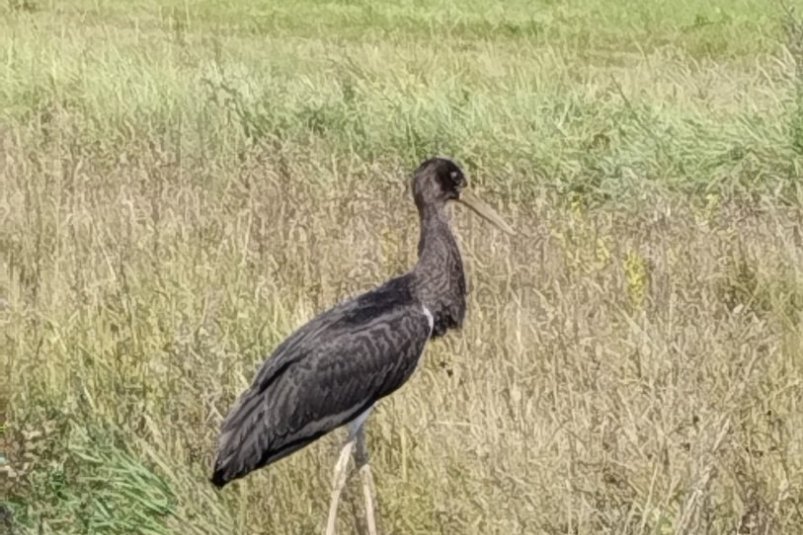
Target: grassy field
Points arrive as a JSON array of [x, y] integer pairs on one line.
[[184, 183]]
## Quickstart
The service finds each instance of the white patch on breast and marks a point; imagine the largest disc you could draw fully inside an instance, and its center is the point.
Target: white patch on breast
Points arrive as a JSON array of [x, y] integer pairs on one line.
[[354, 425], [430, 318]]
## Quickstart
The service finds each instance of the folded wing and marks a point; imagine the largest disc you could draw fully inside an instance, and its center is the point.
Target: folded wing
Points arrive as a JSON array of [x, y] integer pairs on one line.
[[323, 376]]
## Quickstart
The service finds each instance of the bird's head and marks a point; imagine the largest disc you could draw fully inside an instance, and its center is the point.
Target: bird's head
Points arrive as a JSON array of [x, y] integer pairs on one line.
[[440, 180]]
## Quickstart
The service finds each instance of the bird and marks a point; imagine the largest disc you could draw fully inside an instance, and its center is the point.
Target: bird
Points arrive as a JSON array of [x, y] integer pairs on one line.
[[331, 371]]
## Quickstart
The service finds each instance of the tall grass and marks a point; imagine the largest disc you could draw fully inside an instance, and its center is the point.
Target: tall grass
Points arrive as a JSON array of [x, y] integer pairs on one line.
[[181, 186]]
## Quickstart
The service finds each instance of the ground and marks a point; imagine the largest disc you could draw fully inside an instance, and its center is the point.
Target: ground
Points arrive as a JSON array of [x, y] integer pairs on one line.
[[184, 183]]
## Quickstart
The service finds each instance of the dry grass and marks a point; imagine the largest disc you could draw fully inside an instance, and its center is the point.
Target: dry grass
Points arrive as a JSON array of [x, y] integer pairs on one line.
[[179, 190]]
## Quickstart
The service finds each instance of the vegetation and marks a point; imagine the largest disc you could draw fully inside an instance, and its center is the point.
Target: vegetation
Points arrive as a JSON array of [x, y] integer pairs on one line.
[[184, 183]]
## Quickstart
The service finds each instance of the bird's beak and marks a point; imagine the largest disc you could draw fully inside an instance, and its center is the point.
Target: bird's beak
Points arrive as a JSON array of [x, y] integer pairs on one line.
[[484, 211]]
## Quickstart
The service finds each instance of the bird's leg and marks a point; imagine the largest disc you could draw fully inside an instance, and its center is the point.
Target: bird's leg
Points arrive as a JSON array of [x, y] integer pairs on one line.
[[338, 482], [364, 466]]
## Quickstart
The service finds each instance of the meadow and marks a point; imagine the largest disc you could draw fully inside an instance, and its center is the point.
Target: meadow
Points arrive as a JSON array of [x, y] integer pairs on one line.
[[183, 183]]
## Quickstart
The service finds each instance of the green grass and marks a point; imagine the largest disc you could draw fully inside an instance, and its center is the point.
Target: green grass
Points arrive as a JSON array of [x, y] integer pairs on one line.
[[179, 182]]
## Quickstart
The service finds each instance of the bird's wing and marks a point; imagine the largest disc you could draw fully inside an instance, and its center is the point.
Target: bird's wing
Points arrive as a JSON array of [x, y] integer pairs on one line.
[[323, 376]]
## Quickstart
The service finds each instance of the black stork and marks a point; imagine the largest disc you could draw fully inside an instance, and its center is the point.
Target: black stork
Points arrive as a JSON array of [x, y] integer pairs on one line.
[[331, 371]]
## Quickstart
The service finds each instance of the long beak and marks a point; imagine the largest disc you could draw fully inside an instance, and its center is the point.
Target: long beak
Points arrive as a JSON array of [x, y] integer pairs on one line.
[[485, 211]]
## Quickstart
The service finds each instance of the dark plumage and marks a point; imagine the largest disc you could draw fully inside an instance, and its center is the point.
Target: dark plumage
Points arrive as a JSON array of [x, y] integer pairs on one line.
[[334, 368], [326, 374]]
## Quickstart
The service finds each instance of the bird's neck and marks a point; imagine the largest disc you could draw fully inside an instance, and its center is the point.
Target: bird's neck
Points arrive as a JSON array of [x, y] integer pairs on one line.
[[439, 276]]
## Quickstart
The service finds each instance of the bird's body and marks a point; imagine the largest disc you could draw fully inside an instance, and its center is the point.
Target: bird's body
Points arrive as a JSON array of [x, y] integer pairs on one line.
[[325, 375], [332, 370]]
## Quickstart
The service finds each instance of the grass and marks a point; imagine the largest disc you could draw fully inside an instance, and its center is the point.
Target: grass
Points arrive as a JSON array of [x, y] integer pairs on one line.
[[179, 183]]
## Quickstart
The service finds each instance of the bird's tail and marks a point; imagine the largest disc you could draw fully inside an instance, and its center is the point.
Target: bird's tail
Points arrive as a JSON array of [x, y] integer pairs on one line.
[[222, 471], [218, 478], [235, 456]]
